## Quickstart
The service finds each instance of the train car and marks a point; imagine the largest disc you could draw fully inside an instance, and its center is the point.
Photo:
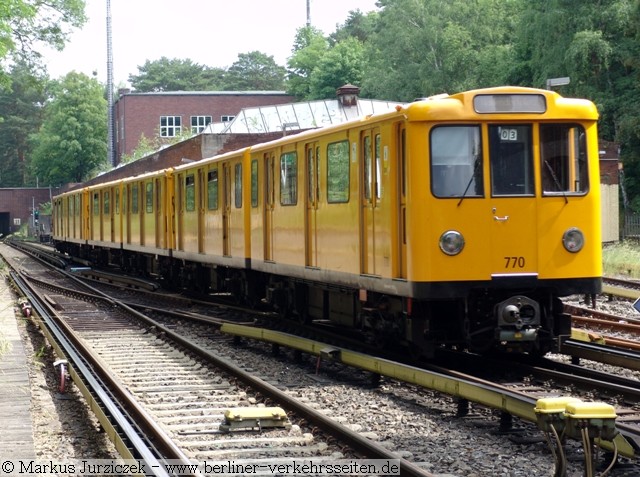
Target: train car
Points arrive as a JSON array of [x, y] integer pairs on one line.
[[69, 222], [458, 220]]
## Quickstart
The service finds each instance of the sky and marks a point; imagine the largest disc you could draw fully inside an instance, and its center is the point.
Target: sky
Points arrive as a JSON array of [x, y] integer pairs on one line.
[[208, 32]]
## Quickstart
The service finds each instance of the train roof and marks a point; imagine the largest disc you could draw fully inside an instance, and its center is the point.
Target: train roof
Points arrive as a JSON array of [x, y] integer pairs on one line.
[[502, 102]]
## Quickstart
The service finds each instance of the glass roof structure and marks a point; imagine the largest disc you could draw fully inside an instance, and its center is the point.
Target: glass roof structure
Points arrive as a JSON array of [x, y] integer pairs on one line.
[[297, 116]]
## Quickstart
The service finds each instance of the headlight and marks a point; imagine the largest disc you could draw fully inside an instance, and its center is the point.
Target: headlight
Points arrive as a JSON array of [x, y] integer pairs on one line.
[[573, 240], [451, 242]]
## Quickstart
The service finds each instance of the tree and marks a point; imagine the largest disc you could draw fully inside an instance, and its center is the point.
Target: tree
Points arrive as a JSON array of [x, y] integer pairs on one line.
[[26, 24], [426, 47], [21, 105], [342, 64], [72, 142], [309, 47], [357, 25], [255, 71], [176, 75]]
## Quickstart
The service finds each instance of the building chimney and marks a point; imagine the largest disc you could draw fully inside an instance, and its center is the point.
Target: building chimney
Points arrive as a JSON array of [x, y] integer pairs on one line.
[[348, 95]]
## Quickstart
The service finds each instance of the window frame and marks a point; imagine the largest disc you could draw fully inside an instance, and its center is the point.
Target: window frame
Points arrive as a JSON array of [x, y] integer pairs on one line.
[[338, 191], [170, 126]]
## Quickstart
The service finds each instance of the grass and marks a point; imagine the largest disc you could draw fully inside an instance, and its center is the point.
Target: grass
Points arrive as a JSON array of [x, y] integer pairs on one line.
[[622, 259]]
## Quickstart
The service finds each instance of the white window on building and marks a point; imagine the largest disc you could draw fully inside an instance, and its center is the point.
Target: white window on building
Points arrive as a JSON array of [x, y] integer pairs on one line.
[[227, 119], [170, 126], [198, 123]]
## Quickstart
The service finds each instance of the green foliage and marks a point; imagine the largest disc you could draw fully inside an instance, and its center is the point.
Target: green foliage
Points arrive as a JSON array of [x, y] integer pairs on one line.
[[147, 146], [309, 47], [255, 71], [20, 114], [340, 65], [27, 24], [426, 47], [358, 25], [622, 259], [176, 75], [71, 144]]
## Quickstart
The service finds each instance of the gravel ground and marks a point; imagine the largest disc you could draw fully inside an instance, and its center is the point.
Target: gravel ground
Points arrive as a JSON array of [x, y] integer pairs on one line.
[[63, 425], [417, 424]]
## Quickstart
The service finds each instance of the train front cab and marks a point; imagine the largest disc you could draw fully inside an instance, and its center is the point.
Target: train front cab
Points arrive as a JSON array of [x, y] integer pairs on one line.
[[502, 215]]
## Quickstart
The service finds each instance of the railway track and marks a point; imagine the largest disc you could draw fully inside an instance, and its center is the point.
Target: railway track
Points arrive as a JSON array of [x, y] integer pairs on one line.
[[182, 397], [189, 431]]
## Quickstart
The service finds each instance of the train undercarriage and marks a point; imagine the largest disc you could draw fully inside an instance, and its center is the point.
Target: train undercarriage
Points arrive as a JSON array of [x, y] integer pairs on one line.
[[483, 320]]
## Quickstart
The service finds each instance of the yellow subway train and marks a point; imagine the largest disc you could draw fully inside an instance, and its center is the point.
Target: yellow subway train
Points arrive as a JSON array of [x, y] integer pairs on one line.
[[457, 220]]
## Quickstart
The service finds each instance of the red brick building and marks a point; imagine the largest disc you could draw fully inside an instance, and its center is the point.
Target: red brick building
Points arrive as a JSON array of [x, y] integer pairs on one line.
[[169, 114], [17, 204]]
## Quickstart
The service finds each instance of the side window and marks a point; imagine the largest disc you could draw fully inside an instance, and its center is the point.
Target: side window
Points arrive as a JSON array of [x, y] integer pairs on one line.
[[378, 167], [563, 156], [190, 193], [366, 150], [158, 195], [117, 201], [254, 183], [96, 203], [212, 189], [338, 172], [149, 197], [289, 178], [237, 187], [456, 161], [134, 198], [105, 205]]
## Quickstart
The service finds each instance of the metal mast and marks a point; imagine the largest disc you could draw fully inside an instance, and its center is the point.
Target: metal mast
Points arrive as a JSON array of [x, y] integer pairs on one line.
[[110, 155], [308, 13]]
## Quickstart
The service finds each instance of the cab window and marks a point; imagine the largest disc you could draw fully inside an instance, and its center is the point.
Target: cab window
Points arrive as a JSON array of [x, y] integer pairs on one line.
[[563, 159], [456, 161], [511, 158]]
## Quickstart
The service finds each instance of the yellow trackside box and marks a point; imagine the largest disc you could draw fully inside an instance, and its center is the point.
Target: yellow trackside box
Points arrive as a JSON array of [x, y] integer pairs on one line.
[[550, 412], [597, 418]]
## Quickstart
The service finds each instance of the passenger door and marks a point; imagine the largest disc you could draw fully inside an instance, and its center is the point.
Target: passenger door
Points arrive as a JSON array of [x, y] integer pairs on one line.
[[269, 202], [401, 270], [226, 208], [312, 154], [370, 194]]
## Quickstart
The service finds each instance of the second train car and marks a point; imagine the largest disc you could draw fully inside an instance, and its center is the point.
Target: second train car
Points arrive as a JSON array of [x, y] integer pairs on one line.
[[459, 220]]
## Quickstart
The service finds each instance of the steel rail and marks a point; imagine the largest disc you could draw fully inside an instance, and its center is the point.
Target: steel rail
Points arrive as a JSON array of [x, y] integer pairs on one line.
[[134, 421], [361, 444]]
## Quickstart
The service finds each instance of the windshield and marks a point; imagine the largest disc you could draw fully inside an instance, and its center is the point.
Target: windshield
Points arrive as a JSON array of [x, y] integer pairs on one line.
[[563, 157], [456, 161], [511, 158]]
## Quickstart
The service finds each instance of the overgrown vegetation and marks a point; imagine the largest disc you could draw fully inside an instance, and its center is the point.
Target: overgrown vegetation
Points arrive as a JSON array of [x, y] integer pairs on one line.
[[622, 259]]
